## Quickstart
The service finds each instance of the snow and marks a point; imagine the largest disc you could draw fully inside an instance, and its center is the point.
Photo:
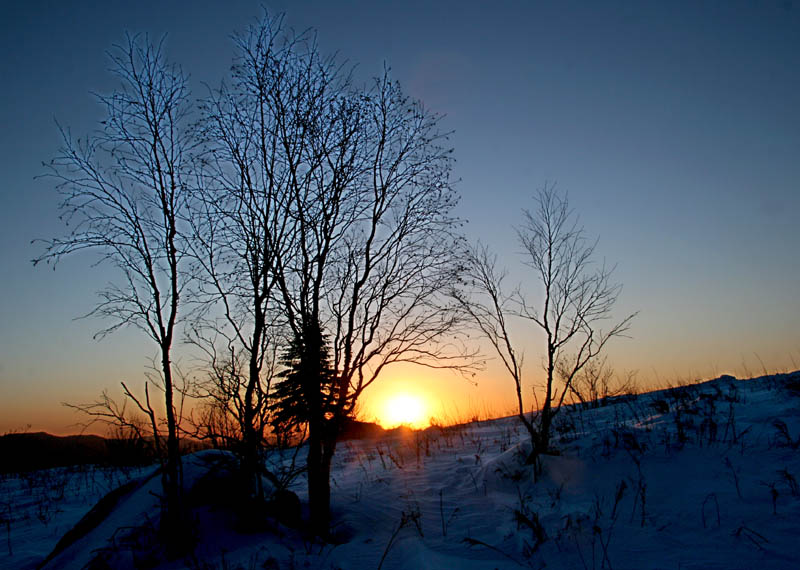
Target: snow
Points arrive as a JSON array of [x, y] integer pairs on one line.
[[701, 476]]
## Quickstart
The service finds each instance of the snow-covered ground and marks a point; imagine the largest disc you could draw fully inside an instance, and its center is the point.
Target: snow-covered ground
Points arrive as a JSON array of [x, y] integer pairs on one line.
[[38, 507], [702, 476]]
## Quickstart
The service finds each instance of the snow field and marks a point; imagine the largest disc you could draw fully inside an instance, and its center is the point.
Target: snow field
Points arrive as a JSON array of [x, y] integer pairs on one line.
[[702, 476]]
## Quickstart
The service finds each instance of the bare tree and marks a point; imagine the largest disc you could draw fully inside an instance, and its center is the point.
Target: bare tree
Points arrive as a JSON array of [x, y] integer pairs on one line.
[[327, 230], [577, 300], [378, 248], [124, 196], [254, 143], [598, 381], [491, 307]]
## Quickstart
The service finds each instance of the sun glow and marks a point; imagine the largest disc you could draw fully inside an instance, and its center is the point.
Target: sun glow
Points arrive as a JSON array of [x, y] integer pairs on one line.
[[404, 409]]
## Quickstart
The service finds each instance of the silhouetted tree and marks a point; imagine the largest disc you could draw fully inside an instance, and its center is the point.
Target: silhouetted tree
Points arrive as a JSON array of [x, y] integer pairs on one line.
[[490, 308], [324, 217], [124, 193], [598, 381], [577, 298], [344, 193], [295, 387], [377, 247], [240, 224]]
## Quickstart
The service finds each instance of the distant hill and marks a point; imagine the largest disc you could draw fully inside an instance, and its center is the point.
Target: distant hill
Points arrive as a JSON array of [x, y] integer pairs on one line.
[[355, 429], [40, 450]]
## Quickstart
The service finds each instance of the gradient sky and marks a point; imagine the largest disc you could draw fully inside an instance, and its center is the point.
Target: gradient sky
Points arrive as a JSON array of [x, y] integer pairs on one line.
[[674, 127]]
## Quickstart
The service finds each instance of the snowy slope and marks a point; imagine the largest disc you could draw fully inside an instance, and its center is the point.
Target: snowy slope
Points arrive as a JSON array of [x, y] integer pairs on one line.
[[701, 476]]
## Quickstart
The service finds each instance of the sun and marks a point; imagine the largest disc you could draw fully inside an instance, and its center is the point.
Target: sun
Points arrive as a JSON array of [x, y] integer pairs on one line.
[[404, 409]]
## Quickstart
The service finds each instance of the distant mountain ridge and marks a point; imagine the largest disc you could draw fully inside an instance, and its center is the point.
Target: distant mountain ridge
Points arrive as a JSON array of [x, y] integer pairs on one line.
[[29, 451], [41, 450]]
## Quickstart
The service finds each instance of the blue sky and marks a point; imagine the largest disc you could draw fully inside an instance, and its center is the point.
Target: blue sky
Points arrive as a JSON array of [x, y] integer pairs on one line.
[[673, 126]]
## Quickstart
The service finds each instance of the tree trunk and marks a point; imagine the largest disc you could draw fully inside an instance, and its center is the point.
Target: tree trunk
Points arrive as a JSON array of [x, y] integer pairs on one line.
[[320, 448], [251, 438], [250, 462], [540, 438], [173, 523], [546, 414], [544, 428], [320, 455]]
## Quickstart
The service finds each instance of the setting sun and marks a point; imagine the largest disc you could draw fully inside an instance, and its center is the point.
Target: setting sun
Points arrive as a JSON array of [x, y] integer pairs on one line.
[[404, 409]]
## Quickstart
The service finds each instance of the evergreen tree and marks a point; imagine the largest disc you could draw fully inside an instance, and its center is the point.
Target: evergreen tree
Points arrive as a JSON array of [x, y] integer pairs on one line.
[[308, 375]]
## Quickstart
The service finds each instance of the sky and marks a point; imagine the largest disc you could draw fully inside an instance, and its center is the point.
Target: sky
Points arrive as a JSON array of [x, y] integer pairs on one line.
[[674, 128]]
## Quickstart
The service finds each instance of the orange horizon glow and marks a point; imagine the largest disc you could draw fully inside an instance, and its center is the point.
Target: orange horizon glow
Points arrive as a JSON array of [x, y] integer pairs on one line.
[[445, 398]]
